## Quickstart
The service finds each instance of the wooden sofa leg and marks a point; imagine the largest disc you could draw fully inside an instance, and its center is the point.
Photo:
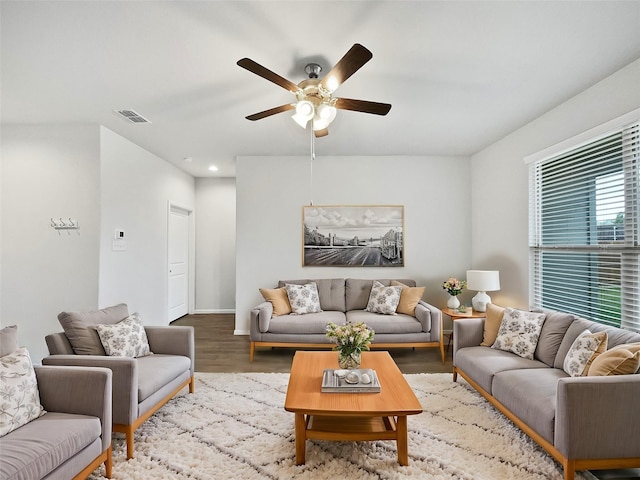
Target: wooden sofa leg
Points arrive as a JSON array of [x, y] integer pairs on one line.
[[129, 435], [108, 463], [252, 348], [192, 384], [569, 469], [455, 374]]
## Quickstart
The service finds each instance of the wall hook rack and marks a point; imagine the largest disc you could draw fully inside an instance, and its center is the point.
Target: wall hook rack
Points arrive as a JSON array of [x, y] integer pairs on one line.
[[61, 224]]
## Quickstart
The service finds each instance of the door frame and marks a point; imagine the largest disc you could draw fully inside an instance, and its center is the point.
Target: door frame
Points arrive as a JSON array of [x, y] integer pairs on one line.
[[191, 244]]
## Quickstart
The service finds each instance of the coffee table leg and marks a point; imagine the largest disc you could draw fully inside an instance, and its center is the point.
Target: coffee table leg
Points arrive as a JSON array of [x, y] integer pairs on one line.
[[403, 440], [301, 437]]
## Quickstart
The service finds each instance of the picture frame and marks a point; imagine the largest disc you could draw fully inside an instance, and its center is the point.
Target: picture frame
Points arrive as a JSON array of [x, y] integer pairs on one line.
[[353, 235]]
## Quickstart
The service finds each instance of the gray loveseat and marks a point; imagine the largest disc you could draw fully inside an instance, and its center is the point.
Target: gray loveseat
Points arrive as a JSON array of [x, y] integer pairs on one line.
[[584, 422], [73, 438], [344, 300]]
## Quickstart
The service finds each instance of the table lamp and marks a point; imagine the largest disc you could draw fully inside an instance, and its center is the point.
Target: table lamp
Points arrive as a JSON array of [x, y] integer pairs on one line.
[[483, 281]]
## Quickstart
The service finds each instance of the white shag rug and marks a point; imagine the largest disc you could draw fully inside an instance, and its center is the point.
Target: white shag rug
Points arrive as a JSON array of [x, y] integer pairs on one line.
[[235, 427]]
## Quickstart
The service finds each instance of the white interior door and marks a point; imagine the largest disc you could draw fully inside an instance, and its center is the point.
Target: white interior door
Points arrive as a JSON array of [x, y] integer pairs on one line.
[[178, 263]]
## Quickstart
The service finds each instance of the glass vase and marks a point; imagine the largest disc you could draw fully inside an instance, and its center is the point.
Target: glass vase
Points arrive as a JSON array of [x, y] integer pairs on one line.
[[348, 361]]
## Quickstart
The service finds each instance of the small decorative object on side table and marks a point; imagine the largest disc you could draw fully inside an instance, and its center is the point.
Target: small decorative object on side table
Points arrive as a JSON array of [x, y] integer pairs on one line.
[[454, 287], [456, 313]]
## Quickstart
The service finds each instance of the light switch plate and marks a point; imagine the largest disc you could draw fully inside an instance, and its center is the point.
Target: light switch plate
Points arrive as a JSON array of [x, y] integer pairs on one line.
[[119, 245]]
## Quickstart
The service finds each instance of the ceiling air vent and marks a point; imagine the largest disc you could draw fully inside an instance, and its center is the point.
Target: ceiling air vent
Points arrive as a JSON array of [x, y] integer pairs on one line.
[[132, 116]]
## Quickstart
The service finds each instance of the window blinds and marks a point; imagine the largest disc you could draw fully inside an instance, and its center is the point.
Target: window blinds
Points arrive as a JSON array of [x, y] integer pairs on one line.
[[584, 230]]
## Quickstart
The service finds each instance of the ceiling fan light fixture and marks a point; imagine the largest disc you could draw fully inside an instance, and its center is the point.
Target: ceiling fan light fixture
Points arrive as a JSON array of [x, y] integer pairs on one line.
[[304, 112]]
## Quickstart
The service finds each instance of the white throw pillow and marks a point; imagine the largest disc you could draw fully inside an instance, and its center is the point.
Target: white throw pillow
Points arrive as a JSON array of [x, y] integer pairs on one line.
[[19, 395], [303, 298], [583, 352], [126, 338], [519, 332], [384, 299]]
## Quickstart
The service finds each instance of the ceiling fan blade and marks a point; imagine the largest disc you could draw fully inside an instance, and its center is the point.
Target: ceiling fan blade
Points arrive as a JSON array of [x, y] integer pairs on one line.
[[267, 74], [363, 106], [352, 61], [321, 133], [271, 111]]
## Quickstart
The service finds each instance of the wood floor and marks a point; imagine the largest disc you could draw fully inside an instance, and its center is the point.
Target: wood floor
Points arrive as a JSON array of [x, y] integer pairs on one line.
[[219, 350]]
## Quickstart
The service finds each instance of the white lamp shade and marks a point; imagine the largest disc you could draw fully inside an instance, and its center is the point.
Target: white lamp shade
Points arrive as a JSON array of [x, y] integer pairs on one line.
[[483, 280]]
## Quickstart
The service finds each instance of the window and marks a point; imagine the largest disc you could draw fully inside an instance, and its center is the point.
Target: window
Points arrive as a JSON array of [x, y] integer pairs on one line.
[[585, 228]]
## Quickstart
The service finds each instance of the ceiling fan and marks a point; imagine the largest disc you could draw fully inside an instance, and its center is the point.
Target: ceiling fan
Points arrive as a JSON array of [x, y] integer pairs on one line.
[[315, 102]]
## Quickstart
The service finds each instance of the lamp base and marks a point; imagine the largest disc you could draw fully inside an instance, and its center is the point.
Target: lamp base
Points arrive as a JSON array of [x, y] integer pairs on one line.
[[480, 301]]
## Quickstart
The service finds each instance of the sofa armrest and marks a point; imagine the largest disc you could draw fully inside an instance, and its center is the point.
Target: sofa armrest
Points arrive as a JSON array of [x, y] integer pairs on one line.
[[430, 318], [597, 417], [467, 332], [260, 317], [178, 340], [124, 385], [83, 391], [58, 344]]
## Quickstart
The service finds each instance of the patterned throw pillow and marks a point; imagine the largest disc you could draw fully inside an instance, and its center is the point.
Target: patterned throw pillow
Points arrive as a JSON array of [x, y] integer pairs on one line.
[[519, 332], [19, 394], [126, 338], [584, 350], [303, 298], [384, 299]]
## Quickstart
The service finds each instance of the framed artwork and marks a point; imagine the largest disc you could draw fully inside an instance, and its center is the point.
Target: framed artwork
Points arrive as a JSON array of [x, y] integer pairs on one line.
[[353, 236]]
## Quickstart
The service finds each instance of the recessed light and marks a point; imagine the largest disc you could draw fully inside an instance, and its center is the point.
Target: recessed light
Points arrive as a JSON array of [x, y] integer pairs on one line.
[[213, 168]]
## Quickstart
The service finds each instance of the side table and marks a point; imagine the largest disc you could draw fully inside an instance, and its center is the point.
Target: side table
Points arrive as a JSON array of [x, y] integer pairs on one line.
[[456, 314]]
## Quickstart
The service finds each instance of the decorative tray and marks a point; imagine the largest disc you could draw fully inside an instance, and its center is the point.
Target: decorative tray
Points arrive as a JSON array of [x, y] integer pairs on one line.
[[350, 381]]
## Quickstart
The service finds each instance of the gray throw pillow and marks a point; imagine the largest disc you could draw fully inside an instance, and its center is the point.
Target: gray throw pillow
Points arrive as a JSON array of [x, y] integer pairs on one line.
[[79, 327], [8, 340]]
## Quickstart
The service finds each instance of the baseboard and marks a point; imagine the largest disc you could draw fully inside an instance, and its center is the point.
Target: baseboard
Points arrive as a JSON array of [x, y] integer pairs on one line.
[[203, 311], [241, 332]]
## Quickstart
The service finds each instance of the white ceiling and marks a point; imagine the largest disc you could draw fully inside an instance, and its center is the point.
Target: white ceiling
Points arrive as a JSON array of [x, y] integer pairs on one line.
[[460, 75]]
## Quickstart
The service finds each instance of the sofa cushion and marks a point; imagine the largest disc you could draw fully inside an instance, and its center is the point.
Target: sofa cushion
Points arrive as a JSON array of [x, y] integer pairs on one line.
[[409, 298], [126, 338], [279, 300], [553, 330], [620, 360], [79, 327], [357, 291], [38, 448], [383, 299], [519, 332], [303, 298], [155, 371], [531, 395], [492, 324], [482, 363], [19, 393], [330, 290], [384, 323], [305, 324], [8, 340], [583, 351]]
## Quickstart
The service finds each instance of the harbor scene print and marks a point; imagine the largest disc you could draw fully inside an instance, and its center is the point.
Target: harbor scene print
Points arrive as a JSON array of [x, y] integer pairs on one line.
[[353, 236]]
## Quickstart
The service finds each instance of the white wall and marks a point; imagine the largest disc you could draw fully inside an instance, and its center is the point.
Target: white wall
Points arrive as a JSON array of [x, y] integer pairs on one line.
[[216, 245], [136, 187], [48, 172], [271, 192], [499, 199]]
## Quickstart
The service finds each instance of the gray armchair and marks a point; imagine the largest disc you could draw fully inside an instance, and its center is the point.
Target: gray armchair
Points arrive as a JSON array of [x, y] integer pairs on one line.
[[141, 385], [73, 438]]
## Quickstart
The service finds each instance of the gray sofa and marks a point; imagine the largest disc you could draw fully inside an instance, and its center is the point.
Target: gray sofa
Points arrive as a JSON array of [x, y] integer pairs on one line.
[[141, 385], [344, 300], [585, 422], [73, 438]]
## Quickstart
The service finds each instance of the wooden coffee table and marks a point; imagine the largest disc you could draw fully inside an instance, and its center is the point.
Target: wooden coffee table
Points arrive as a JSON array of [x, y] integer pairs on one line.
[[349, 416]]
